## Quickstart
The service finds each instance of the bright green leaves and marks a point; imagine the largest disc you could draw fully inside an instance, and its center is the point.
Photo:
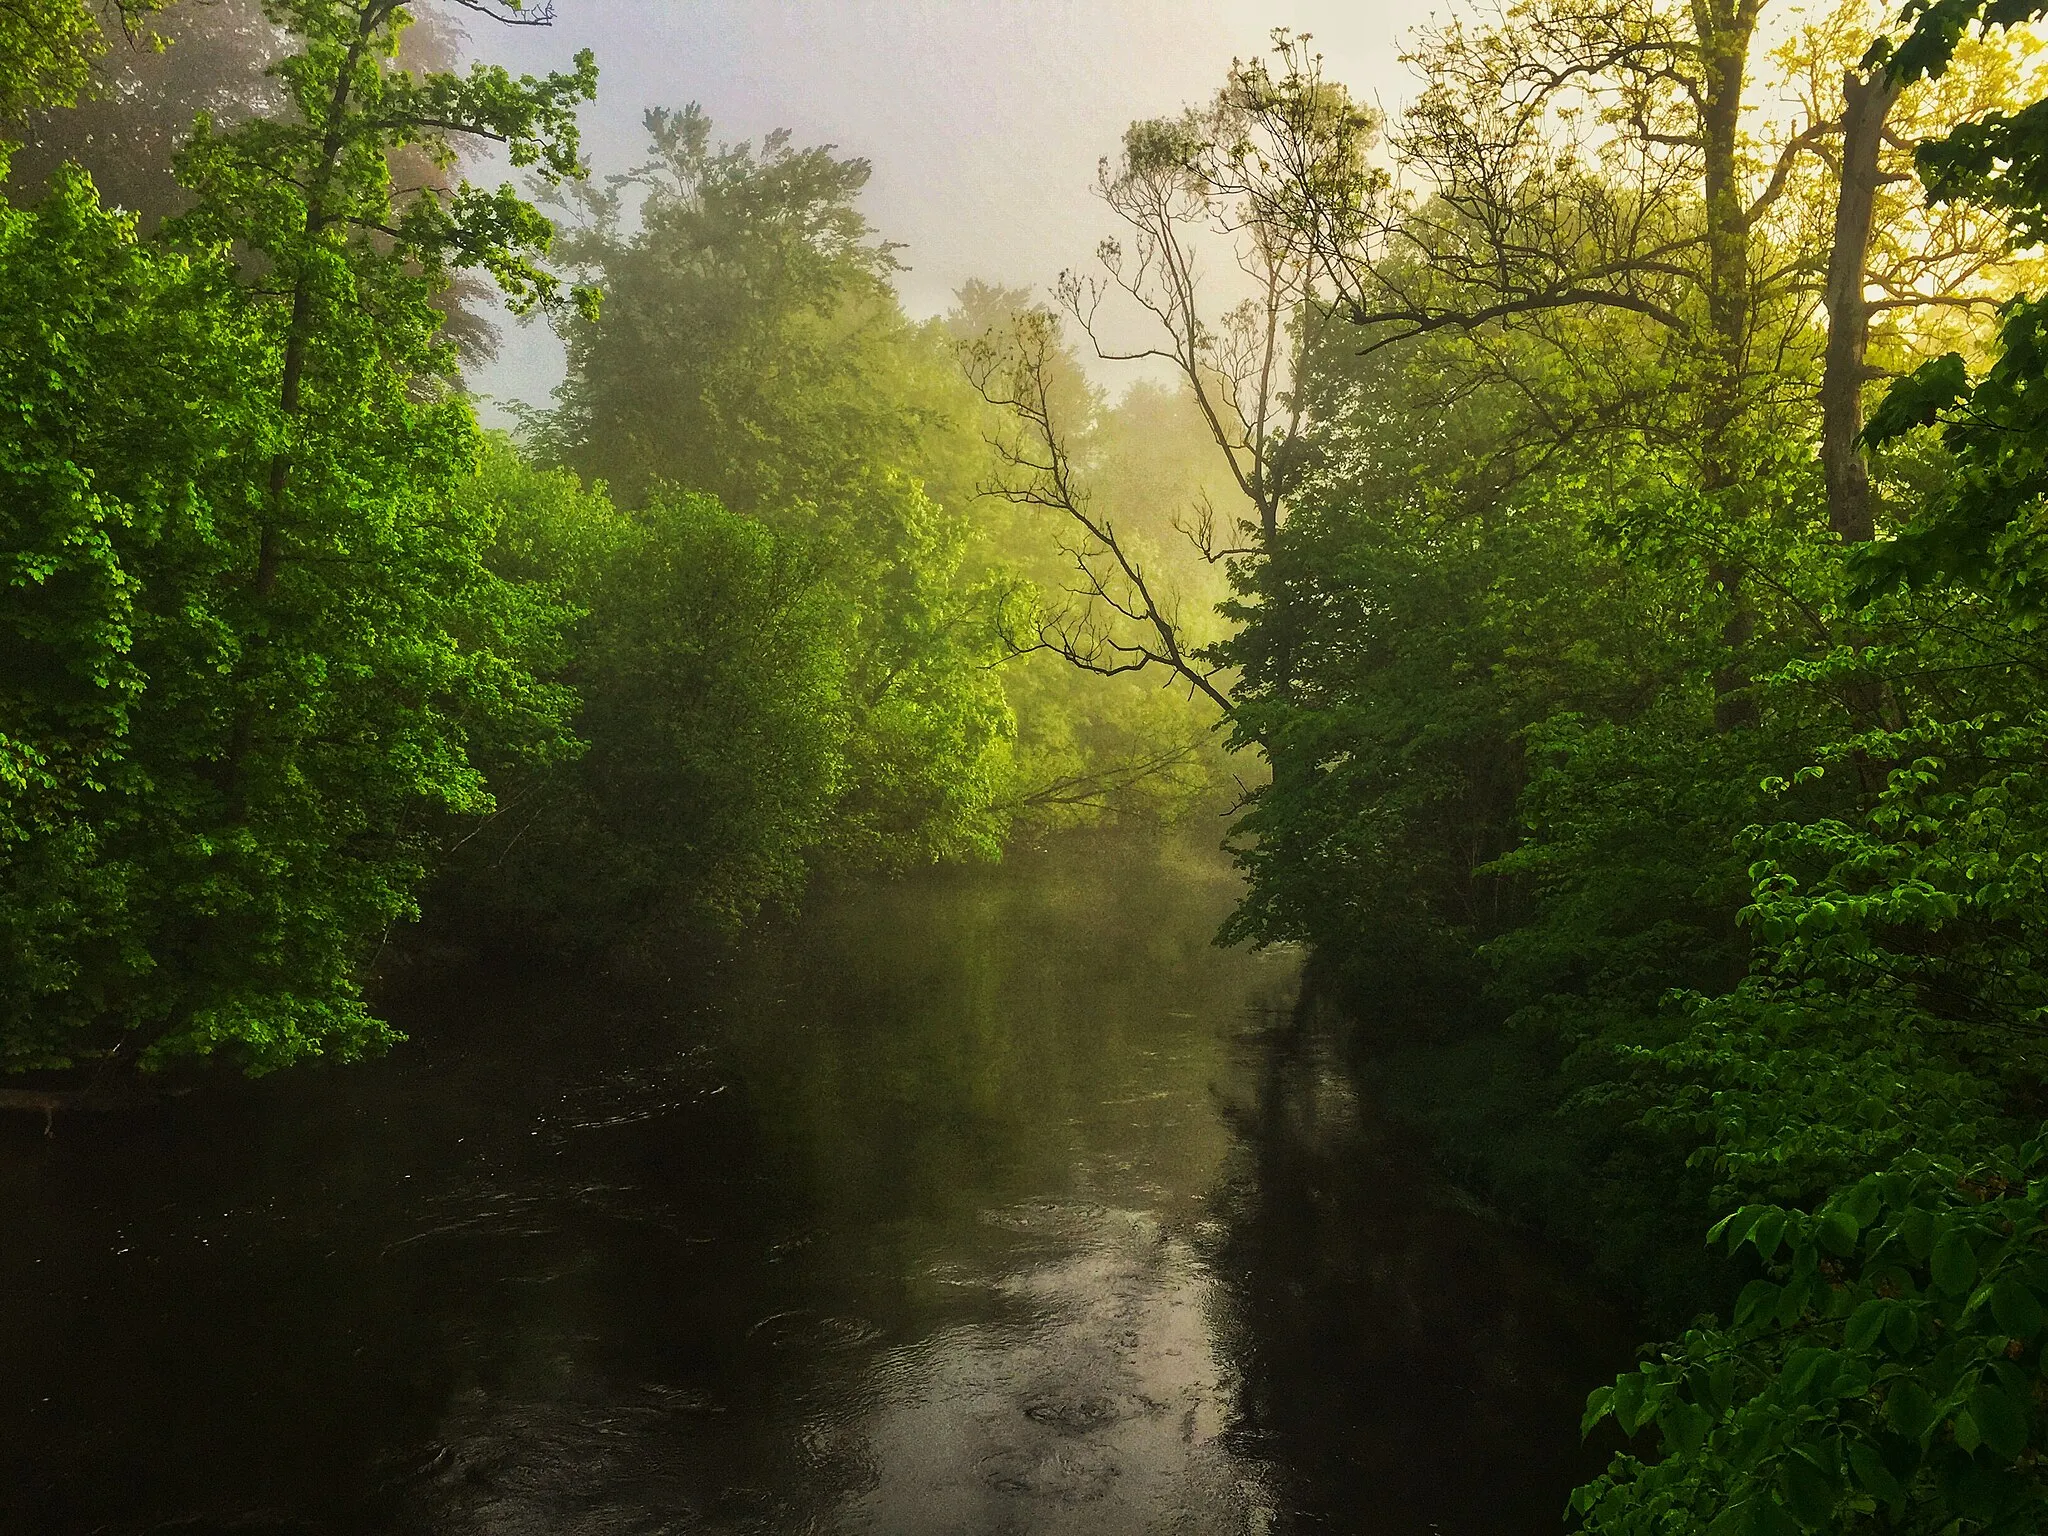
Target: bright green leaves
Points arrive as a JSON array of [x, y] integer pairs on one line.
[[127, 374], [47, 48], [1892, 1355], [289, 187], [255, 657]]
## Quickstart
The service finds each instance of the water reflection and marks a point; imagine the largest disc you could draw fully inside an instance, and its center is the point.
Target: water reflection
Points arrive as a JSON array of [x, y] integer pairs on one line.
[[994, 1202], [1404, 1365]]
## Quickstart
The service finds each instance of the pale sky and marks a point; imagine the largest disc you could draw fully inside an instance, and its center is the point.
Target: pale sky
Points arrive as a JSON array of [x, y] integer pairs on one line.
[[984, 118]]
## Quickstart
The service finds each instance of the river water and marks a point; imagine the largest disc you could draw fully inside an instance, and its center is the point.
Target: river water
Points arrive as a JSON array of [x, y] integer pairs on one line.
[[990, 1201]]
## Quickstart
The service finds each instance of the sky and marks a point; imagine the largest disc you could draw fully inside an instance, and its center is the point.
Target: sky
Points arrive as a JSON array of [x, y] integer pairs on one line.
[[984, 119]]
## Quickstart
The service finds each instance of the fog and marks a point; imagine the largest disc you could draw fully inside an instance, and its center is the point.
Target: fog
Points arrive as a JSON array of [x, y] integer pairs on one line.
[[984, 118]]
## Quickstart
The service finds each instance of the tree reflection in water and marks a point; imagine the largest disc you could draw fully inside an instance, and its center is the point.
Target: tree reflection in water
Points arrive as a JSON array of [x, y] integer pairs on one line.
[[1403, 1364]]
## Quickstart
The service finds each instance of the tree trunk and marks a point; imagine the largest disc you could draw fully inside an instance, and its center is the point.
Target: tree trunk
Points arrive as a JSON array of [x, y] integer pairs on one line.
[[1725, 31], [1865, 105]]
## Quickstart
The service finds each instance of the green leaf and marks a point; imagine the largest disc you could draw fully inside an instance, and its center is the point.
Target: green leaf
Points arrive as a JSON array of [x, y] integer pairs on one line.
[[1866, 1323], [1792, 1303], [2002, 1421], [1809, 1490], [2017, 1308], [1797, 1380], [1852, 1378], [1954, 1263], [1758, 1297], [1967, 1434], [1627, 1401], [1721, 1385], [1901, 1327], [1862, 1203], [1872, 1473], [1734, 1227], [1910, 1409], [1769, 1229], [1837, 1233], [1916, 1231], [1599, 1403], [1685, 1428], [1919, 398]]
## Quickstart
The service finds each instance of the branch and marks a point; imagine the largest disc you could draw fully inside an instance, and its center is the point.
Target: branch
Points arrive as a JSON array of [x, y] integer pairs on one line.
[[1421, 324]]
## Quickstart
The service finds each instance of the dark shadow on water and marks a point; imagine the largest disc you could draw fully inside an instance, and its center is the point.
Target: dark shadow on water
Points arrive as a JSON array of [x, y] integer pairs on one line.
[[1403, 1361]]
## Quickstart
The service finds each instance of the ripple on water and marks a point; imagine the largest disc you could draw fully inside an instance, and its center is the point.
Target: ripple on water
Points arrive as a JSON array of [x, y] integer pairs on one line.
[[1073, 1474], [802, 1328]]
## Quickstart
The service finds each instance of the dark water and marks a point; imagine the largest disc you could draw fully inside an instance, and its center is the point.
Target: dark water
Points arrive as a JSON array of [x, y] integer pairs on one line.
[[990, 1202]]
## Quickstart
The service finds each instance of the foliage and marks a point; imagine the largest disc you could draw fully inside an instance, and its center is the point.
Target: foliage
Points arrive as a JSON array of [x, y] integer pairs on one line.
[[709, 664], [144, 907], [751, 350], [1884, 1373], [1574, 695], [750, 346], [258, 641], [47, 48]]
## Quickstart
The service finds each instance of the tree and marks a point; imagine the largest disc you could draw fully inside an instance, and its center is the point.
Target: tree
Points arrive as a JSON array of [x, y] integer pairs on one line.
[[708, 658], [1234, 172], [1116, 617], [750, 349], [285, 629], [1870, 1088], [47, 48], [1572, 163]]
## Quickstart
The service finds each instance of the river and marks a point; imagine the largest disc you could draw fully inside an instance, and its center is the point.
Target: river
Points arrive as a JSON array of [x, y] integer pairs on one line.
[[988, 1201]]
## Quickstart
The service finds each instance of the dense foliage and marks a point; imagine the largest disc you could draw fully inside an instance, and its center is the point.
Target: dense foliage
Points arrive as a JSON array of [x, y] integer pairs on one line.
[[1682, 748], [251, 635], [290, 644]]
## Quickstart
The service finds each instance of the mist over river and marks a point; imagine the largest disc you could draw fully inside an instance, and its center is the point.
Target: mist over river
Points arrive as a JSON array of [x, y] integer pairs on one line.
[[986, 1201]]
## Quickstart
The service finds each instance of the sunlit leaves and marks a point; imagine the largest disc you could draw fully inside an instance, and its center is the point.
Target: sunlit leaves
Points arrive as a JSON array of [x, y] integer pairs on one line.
[[250, 625], [1891, 1355]]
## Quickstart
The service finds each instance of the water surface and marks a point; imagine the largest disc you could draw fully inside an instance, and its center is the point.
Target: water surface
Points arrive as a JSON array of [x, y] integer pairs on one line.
[[991, 1201]]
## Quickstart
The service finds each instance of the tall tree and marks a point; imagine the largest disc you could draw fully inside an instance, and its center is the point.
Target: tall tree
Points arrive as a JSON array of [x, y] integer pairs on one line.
[[287, 628], [751, 348], [1241, 178]]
